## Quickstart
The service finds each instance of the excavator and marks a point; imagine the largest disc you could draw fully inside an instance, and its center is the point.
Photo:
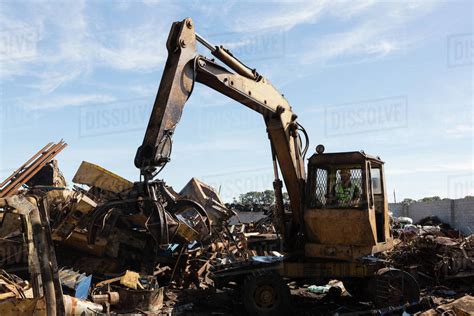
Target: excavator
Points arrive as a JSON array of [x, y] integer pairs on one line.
[[326, 235]]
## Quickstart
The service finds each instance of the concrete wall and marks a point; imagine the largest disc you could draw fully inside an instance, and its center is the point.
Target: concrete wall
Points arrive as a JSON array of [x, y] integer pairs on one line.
[[458, 213]]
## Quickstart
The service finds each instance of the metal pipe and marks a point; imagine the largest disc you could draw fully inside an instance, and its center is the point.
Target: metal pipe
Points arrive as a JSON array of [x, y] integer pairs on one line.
[[227, 58], [75, 306], [205, 43]]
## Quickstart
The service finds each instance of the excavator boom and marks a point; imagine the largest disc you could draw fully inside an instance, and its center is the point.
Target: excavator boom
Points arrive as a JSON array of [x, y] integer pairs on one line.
[[327, 238], [183, 68]]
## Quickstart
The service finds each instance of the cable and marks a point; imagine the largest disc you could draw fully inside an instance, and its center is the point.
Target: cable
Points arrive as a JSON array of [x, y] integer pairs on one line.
[[305, 150], [194, 76], [166, 137]]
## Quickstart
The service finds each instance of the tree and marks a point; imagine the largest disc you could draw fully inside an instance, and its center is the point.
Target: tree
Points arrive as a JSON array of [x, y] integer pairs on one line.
[[266, 197], [430, 199], [408, 201]]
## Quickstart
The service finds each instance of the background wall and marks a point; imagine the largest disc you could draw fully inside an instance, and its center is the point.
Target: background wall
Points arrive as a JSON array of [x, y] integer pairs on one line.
[[459, 213]]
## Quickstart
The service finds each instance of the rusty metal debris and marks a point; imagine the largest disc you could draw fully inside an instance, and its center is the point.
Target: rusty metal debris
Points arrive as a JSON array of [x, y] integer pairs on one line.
[[100, 178], [463, 306], [124, 269], [437, 253], [103, 228], [25, 172]]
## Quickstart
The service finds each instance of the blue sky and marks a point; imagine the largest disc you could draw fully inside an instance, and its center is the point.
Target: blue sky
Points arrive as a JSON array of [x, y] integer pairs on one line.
[[392, 78]]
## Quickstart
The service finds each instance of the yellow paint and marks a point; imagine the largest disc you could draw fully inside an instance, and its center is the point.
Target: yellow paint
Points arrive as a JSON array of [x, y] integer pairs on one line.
[[93, 175]]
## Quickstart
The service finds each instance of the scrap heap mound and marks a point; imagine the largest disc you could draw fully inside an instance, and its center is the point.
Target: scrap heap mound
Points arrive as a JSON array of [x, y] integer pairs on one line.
[[108, 245], [437, 252]]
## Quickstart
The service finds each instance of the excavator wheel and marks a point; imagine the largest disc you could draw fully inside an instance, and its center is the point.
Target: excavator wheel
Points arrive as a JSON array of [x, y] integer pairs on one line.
[[266, 294], [393, 287], [358, 288]]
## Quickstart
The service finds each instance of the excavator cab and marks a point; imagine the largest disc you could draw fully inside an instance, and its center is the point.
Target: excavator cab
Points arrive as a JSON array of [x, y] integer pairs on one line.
[[346, 213]]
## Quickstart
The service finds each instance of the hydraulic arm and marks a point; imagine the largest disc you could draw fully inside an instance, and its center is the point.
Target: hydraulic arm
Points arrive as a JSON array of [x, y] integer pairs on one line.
[[325, 239], [183, 68]]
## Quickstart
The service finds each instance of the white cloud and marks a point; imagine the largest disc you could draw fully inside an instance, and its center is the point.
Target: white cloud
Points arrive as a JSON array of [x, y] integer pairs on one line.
[[366, 40], [68, 43], [285, 15], [61, 101], [142, 48], [279, 17], [382, 30], [348, 9], [144, 90], [382, 47], [49, 81], [460, 130], [72, 40], [365, 29]]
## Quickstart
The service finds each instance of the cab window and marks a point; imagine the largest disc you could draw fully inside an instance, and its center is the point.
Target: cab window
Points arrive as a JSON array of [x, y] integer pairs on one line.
[[376, 181], [336, 187]]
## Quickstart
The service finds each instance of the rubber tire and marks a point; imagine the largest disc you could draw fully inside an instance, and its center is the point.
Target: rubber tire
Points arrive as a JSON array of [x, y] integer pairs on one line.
[[281, 294], [358, 288]]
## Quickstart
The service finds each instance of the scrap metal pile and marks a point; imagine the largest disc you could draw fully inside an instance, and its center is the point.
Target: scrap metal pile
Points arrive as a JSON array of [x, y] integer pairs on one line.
[[436, 251], [119, 244], [441, 259], [108, 245]]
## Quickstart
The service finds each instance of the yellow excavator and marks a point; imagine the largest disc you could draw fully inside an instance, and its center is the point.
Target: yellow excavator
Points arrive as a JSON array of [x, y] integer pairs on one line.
[[338, 216]]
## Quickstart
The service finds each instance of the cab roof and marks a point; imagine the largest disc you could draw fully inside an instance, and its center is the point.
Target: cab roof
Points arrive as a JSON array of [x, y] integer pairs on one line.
[[356, 157]]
